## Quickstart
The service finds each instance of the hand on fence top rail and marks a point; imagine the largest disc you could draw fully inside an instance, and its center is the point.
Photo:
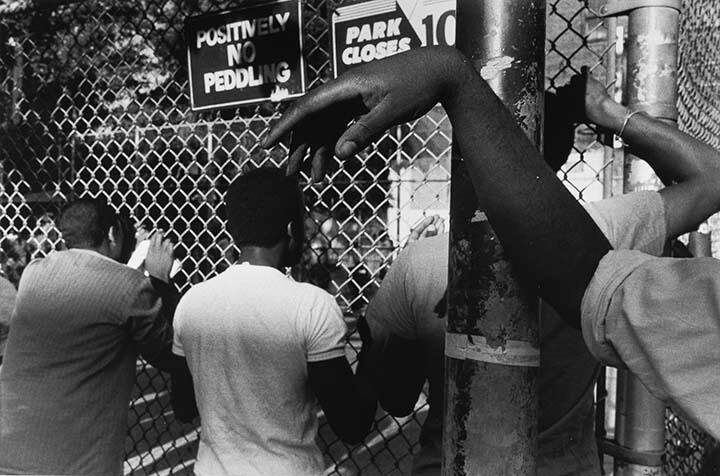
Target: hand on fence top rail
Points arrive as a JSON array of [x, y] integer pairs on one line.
[[689, 167]]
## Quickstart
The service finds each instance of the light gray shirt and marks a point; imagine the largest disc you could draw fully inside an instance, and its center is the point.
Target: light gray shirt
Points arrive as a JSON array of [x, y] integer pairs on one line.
[[660, 318], [79, 322], [7, 304], [406, 304]]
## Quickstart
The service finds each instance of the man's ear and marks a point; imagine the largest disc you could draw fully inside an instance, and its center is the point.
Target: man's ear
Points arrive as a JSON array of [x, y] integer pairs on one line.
[[112, 235], [289, 231], [113, 240], [295, 244]]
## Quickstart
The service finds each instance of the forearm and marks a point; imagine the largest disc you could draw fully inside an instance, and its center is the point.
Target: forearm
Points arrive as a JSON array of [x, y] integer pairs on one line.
[[689, 167], [393, 367], [347, 400], [169, 297], [156, 346], [163, 358], [544, 230], [674, 155], [359, 406], [182, 394]]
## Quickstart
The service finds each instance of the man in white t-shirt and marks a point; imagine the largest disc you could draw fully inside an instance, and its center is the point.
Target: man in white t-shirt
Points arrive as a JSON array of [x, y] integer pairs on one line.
[[261, 347]]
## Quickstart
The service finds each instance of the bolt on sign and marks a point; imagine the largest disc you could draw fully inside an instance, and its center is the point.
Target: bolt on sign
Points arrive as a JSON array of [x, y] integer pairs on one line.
[[246, 55], [365, 31]]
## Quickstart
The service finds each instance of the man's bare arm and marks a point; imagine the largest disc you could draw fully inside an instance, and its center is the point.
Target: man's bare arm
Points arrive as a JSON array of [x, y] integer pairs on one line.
[[182, 393], [348, 400]]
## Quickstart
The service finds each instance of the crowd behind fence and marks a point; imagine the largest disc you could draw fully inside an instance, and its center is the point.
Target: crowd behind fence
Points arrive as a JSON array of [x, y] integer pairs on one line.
[[93, 99]]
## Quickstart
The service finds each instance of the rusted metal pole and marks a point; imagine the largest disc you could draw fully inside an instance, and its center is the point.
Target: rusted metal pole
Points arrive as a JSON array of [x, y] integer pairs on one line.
[[492, 349], [652, 58], [607, 378], [610, 63], [651, 87]]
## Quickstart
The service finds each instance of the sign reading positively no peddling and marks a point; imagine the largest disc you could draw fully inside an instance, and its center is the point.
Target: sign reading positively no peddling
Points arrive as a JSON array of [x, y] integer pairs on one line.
[[246, 55], [365, 31]]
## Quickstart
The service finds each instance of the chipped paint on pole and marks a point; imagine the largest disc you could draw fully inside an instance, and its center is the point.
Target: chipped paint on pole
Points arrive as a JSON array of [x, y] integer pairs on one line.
[[492, 342], [652, 59]]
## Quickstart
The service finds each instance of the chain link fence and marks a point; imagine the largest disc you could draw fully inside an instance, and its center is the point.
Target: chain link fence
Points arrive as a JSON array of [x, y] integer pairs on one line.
[[94, 100]]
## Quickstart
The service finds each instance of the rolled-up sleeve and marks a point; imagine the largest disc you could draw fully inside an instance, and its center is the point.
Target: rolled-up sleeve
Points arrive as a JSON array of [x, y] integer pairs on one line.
[[634, 221], [660, 318]]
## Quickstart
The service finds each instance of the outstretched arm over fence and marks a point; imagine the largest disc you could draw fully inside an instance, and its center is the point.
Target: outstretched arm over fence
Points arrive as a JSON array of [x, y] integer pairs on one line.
[[658, 316], [544, 230]]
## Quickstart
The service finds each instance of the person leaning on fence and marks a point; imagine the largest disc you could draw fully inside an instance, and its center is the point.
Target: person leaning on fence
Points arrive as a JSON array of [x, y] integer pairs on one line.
[[80, 320], [659, 317], [263, 350], [407, 316], [8, 293]]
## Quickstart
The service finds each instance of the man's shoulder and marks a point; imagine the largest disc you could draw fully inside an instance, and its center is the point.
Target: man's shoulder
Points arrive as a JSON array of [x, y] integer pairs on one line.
[[421, 261], [90, 262], [431, 247], [92, 282], [200, 291], [286, 288], [311, 295]]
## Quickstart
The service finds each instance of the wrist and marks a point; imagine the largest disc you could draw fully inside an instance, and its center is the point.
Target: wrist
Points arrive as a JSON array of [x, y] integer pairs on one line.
[[611, 115], [458, 73]]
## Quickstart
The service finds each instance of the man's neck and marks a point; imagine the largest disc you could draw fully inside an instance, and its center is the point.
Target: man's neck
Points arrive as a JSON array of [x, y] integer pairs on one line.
[[102, 249], [260, 256]]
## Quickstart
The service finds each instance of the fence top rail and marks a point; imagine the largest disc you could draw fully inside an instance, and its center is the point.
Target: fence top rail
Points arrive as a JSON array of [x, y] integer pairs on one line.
[[207, 124]]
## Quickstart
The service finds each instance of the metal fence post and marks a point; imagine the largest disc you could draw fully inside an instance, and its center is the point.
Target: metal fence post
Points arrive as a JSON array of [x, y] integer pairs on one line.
[[492, 349], [700, 244], [652, 87]]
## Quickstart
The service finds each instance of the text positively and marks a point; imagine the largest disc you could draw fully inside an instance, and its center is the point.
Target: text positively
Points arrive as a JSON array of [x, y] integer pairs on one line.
[[246, 55]]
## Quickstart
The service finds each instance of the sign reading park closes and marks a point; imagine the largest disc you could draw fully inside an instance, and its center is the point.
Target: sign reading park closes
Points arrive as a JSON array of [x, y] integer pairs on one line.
[[246, 55], [365, 31]]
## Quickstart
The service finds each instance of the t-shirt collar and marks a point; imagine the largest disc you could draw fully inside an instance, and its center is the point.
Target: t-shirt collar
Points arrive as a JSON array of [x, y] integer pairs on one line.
[[257, 267]]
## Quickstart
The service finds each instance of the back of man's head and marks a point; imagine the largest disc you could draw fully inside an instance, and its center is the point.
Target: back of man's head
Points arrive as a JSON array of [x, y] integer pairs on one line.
[[260, 204], [85, 223]]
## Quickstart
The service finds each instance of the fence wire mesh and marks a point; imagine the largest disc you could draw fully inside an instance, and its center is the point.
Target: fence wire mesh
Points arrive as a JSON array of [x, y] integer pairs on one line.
[[699, 80], [687, 449], [94, 100]]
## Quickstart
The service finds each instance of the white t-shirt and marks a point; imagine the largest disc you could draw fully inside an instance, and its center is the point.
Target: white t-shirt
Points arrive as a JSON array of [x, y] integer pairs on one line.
[[247, 335]]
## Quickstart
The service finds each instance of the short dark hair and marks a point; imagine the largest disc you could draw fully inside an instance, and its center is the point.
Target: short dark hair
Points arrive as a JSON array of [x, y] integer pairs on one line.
[[85, 222], [260, 204]]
